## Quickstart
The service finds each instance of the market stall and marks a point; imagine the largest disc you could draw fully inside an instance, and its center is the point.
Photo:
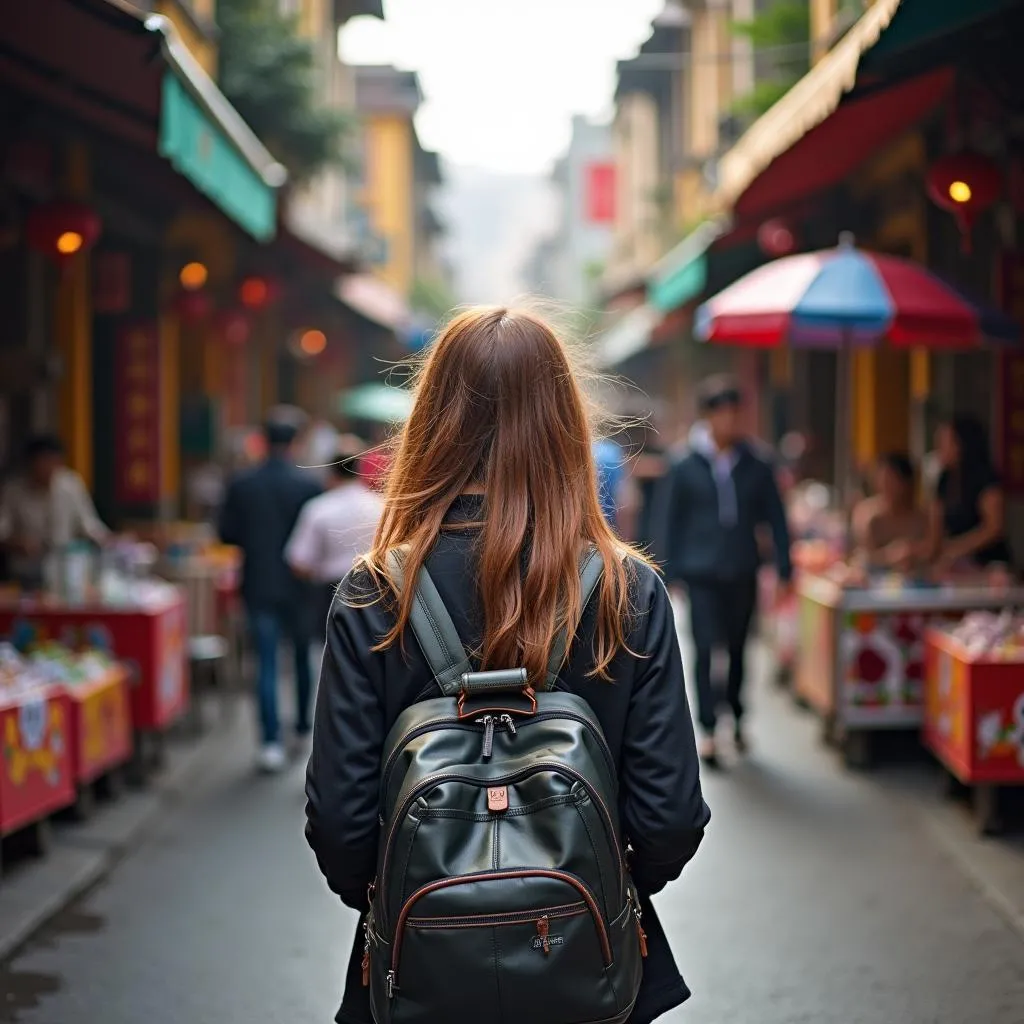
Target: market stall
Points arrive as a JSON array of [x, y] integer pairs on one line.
[[36, 770], [142, 626], [861, 664], [974, 707]]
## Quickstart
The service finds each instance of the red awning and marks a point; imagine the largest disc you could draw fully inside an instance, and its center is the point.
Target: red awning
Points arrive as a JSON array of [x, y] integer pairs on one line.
[[856, 130]]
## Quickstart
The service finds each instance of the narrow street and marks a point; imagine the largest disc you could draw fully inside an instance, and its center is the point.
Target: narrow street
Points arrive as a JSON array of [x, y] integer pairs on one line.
[[817, 897]]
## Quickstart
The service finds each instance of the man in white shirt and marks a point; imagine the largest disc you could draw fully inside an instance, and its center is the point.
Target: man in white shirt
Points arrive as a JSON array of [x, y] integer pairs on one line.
[[335, 528], [44, 510]]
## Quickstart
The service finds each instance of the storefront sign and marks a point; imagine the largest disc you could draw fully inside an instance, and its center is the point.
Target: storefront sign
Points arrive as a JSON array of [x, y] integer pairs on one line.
[[138, 415], [600, 193], [1011, 377]]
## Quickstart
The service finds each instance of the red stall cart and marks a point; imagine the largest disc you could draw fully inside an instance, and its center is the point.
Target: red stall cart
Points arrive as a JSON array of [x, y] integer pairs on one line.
[[149, 640], [974, 720], [36, 772]]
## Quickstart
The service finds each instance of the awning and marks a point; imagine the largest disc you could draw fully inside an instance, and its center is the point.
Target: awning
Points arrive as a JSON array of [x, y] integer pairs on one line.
[[207, 141], [829, 152], [376, 403], [627, 336], [130, 76], [375, 300], [804, 107], [682, 275], [918, 25]]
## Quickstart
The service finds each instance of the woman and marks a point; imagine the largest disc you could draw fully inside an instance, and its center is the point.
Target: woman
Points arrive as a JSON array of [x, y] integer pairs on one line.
[[888, 525], [493, 487], [967, 516]]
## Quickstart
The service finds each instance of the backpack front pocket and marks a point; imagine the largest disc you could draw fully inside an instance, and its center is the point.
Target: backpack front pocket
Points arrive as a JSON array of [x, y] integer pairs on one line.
[[548, 961]]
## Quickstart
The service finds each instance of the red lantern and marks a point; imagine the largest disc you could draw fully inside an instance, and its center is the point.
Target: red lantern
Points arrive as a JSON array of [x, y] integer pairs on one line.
[[232, 327], [966, 184], [258, 292], [62, 230], [192, 307], [776, 237]]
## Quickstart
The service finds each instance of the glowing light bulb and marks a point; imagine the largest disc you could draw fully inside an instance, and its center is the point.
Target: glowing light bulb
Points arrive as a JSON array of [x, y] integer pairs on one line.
[[69, 242], [960, 192], [313, 343], [193, 276]]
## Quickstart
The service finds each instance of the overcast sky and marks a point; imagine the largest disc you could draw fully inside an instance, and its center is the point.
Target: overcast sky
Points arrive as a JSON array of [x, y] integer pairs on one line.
[[503, 78]]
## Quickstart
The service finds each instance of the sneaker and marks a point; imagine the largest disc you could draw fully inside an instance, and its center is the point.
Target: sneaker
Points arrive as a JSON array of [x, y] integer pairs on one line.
[[272, 758]]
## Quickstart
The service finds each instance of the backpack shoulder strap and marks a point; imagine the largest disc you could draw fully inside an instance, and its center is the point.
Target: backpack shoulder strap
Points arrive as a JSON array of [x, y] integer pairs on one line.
[[433, 628], [591, 571]]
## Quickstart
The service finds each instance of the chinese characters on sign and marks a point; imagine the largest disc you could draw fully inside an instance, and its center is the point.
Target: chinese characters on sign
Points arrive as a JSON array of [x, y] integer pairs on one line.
[[138, 415]]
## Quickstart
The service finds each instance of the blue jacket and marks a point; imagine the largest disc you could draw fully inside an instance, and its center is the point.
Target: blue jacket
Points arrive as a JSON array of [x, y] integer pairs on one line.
[[708, 527], [608, 460], [259, 513]]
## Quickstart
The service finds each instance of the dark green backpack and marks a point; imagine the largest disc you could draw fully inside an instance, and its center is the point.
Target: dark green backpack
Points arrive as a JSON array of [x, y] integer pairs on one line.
[[502, 893]]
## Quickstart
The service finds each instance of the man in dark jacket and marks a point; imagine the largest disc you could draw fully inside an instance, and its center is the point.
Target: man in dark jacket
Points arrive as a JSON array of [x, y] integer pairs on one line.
[[715, 498], [259, 513]]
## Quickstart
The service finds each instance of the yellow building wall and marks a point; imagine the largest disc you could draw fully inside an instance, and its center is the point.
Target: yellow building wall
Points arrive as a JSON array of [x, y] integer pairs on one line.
[[388, 194], [204, 51]]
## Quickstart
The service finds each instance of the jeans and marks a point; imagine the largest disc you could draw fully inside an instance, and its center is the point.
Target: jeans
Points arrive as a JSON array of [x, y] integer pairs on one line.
[[267, 627], [720, 615]]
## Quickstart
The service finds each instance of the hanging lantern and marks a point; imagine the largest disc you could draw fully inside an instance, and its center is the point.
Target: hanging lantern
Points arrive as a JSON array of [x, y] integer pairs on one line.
[[232, 327], [776, 237], [257, 291], [193, 307], [62, 230], [966, 184]]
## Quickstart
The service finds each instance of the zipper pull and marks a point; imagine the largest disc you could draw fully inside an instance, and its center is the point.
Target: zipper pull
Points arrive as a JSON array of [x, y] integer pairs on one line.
[[366, 954], [488, 723], [543, 929], [641, 934], [506, 720], [392, 988]]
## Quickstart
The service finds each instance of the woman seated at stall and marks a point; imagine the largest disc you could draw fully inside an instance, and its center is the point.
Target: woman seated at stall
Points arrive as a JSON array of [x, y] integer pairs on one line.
[[888, 525], [967, 517]]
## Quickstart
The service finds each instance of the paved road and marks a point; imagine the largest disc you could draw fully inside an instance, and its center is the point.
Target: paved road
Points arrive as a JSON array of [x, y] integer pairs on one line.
[[816, 898]]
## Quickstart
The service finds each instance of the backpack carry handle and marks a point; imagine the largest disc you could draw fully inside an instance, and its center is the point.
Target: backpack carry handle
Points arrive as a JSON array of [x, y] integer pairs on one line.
[[479, 687]]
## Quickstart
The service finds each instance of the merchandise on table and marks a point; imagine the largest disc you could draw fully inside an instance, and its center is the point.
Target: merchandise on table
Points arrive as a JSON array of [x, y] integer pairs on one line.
[[861, 661], [997, 636]]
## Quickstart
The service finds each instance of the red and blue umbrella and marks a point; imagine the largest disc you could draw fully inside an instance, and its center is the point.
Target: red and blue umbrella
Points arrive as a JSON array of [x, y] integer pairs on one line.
[[846, 296]]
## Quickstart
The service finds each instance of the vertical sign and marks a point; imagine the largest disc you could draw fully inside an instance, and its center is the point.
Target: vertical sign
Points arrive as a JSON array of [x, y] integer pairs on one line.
[[600, 193], [137, 376], [1011, 377]]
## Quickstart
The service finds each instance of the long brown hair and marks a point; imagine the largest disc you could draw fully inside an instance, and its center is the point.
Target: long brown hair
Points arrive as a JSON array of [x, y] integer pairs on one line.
[[499, 408]]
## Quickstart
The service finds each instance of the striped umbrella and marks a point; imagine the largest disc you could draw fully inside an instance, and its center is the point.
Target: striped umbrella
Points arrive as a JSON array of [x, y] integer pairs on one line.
[[846, 296]]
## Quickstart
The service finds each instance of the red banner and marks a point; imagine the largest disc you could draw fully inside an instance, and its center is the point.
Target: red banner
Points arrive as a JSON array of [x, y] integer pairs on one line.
[[600, 191], [137, 362]]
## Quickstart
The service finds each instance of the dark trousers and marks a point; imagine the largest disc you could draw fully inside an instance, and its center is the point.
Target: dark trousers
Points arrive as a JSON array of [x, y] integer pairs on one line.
[[720, 617], [268, 626]]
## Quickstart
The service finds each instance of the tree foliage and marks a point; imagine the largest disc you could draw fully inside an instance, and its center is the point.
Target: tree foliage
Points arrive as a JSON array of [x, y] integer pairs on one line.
[[781, 39], [270, 75], [431, 297]]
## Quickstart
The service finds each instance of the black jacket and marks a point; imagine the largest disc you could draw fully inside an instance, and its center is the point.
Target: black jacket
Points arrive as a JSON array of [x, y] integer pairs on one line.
[[695, 543], [259, 514], [644, 714]]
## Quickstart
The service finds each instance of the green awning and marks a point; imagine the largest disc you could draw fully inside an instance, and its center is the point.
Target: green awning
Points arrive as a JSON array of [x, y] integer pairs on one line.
[[201, 151], [377, 403], [919, 22], [682, 275]]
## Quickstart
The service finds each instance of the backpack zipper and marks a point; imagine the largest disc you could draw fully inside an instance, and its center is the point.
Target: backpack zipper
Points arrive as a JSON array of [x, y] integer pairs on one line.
[[496, 876], [438, 777], [451, 720]]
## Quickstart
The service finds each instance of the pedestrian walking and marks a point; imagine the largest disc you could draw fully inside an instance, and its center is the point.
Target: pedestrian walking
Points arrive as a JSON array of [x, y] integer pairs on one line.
[[715, 498], [335, 528], [492, 745], [260, 511]]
